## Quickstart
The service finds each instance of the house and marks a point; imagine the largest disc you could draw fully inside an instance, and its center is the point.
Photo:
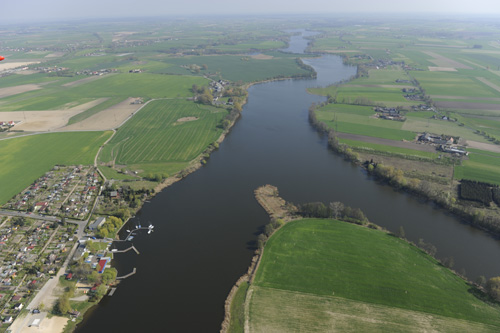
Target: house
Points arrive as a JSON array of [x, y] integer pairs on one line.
[[99, 222], [102, 264], [69, 276], [8, 319], [18, 306], [16, 298], [40, 206]]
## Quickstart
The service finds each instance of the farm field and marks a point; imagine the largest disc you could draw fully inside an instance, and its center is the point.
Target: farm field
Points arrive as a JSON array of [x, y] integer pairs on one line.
[[324, 271], [482, 166], [354, 119], [368, 146], [110, 86], [238, 68], [158, 135], [27, 158]]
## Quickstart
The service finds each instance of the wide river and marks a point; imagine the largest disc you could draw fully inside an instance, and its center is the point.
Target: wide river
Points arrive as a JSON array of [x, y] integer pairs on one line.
[[206, 225]]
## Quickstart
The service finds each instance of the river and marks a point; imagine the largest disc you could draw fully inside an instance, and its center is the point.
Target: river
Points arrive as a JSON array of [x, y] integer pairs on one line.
[[206, 225]]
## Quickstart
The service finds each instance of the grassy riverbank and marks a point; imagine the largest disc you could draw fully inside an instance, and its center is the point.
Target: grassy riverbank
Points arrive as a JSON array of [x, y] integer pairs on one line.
[[315, 274]]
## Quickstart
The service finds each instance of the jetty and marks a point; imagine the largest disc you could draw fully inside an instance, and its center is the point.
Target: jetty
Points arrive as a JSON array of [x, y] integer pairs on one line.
[[112, 292], [126, 250], [126, 276]]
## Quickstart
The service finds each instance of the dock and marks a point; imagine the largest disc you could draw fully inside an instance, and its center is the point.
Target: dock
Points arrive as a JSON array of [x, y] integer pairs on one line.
[[112, 292], [126, 250], [126, 276]]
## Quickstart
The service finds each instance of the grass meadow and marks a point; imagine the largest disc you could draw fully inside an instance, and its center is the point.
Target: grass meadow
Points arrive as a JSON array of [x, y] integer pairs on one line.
[[332, 261], [27, 158]]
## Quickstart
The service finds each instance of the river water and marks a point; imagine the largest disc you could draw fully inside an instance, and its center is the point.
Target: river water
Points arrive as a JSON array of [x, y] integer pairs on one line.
[[206, 225]]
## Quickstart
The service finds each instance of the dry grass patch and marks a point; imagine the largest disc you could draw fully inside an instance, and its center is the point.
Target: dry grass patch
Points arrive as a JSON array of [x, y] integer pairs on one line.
[[110, 118], [42, 121], [9, 91], [274, 310], [261, 56], [442, 69]]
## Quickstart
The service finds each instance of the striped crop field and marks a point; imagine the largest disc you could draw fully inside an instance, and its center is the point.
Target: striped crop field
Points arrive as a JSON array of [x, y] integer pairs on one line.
[[165, 131]]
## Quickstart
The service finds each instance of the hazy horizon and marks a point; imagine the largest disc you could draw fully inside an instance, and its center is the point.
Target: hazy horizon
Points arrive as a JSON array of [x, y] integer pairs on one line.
[[26, 11]]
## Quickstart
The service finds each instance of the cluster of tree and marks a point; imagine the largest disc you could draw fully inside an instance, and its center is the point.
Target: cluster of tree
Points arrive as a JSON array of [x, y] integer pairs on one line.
[[493, 288], [319, 125], [306, 67], [203, 94], [231, 117], [336, 210], [477, 191], [269, 229], [62, 305], [336, 146], [18, 221], [427, 247], [155, 177], [112, 223], [236, 91]]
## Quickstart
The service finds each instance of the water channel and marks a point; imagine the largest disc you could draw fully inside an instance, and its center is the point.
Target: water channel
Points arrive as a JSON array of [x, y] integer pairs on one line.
[[206, 225]]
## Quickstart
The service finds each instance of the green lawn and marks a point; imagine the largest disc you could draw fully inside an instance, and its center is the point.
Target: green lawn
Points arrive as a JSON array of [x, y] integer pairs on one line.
[[154, 137], [337, 261], [25, 159]]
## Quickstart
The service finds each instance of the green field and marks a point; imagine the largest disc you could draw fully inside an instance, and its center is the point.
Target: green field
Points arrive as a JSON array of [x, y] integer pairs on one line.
[[453, 84], [355, 119], [482, 166], [153, 139], [322, 272], [441, 127], [403, 152], [238, 68], [25, 159], [117, 86]]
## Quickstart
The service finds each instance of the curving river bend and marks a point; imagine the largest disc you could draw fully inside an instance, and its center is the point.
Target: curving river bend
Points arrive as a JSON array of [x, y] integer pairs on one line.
[[206, 225]]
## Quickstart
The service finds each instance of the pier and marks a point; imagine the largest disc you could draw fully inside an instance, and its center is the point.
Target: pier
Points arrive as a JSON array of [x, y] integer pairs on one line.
[[126, 276], [126, 250]]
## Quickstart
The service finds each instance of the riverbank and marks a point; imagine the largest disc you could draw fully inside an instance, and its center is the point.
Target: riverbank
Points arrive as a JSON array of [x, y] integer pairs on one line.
[[277, 208], [315, 273]]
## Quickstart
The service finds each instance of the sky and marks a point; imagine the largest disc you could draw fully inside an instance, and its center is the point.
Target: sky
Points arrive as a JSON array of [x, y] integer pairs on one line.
[[19, 11]]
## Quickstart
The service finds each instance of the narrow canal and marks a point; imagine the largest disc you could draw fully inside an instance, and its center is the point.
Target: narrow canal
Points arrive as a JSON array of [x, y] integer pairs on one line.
[[206, 225]]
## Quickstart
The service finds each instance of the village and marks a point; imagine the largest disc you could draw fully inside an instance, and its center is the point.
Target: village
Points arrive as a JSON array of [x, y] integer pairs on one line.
[[64, 191], [57, 232]]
